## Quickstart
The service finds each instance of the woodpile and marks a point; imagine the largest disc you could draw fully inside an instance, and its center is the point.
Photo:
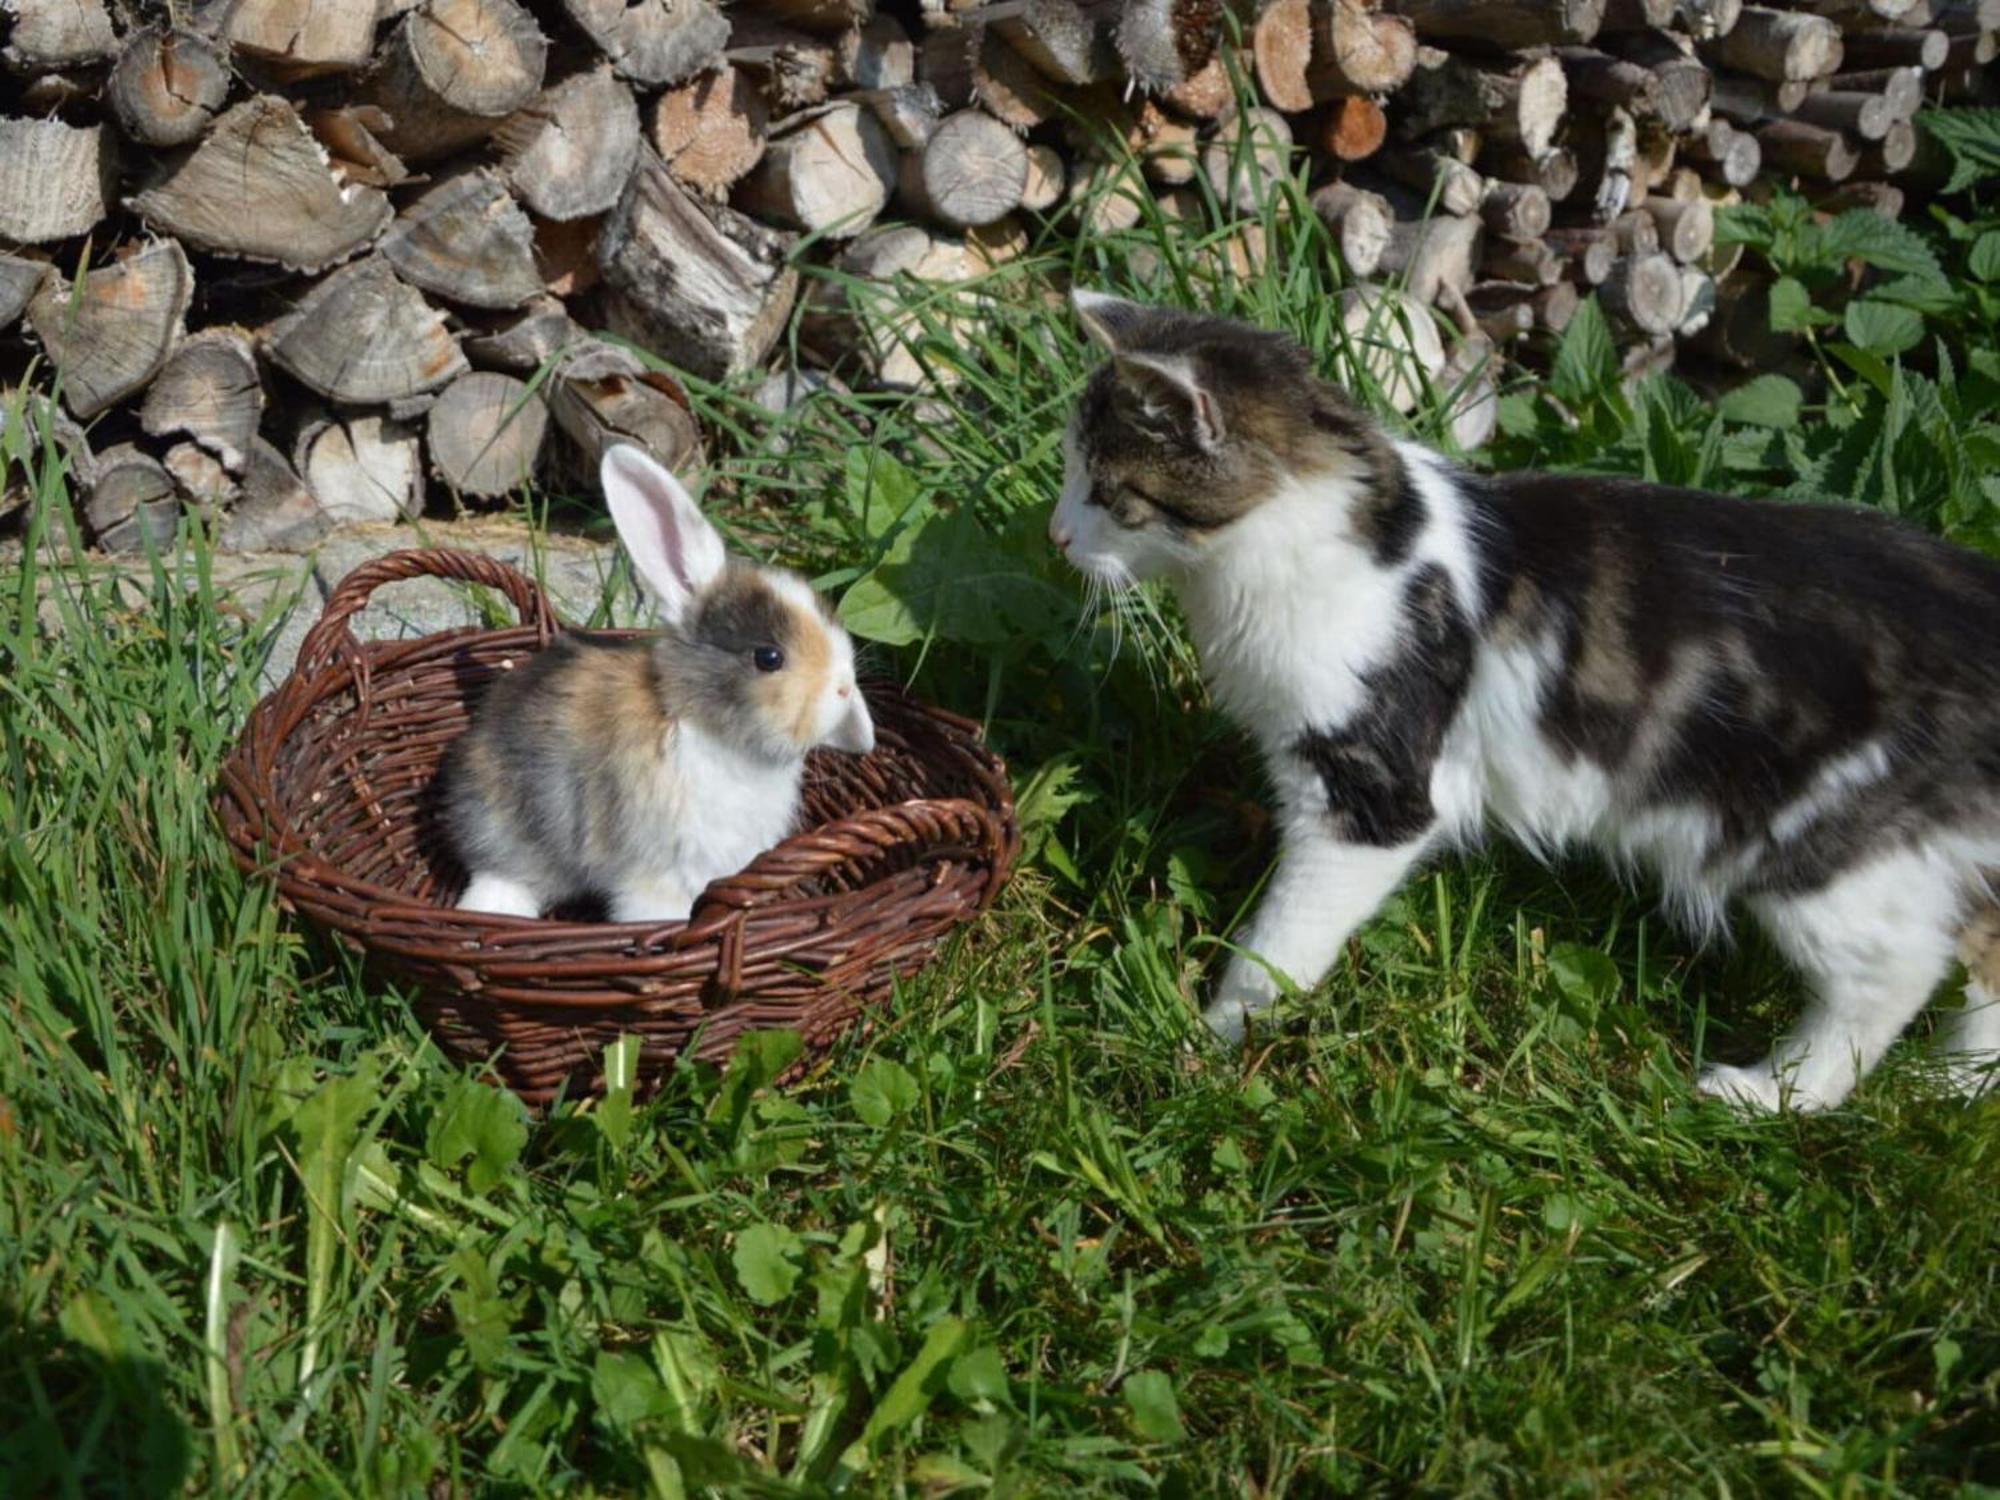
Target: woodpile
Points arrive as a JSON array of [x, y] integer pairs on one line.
[[295, 263]]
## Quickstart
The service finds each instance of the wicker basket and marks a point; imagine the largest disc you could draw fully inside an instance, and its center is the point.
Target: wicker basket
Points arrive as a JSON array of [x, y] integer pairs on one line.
[[328, 793]]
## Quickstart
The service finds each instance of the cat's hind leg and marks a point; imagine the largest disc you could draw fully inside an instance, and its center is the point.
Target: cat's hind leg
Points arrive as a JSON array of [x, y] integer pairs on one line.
[[1968, 1039], [1873, 943]]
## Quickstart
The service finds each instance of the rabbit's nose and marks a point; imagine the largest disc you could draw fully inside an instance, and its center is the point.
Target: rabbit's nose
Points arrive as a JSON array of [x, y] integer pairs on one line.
[[844, 692]]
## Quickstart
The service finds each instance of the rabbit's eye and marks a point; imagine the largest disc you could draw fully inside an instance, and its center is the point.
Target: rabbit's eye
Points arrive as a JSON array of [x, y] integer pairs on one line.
[[768, 658]]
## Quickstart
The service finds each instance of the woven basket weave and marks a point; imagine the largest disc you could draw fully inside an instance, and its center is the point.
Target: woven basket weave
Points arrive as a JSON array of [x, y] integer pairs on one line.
[[328, 794]]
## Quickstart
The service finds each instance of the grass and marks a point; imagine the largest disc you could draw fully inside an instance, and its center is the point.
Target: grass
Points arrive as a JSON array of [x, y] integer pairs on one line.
[[1458, 1226]]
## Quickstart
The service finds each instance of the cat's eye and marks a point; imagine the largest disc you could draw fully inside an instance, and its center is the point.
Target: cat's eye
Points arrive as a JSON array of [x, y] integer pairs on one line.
[[768, 658]]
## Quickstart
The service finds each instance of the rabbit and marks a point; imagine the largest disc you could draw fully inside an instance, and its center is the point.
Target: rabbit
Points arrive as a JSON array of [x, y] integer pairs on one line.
[[640, 770]]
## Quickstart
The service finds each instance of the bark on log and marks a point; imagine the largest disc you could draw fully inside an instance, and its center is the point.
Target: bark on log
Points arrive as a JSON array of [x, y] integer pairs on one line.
[[1637, 15], [1895, 152], [1008, 87], [569, 153], [1686, 230], [1590, 250], [1807, 150], [1353, 128], [711, 132], [829, 16], [302, 38], [108, 335], [1925, 47], [1644, 293], [827, 172], [1635, 233], [486, 434], [1355, 50], [1433, 255], [1902, 89], [1359, 221], [795, 70], [467, 241], [654, 42], [451, 71], [1247, 157], [209, 390], [1063, 39], [1733, 155], [364, 337], [362, 469], [259, 187], [58, 34], [1522, 107], [1781, 46], [526, 341], [1503, 25], [1864, 116], [1883, 198], [1162, 43], [1556, 172], [704, 286], [1531, 263], [20, 277], [167, 86], [55, 179], [879, 55], [601, 396], [1437, 179]]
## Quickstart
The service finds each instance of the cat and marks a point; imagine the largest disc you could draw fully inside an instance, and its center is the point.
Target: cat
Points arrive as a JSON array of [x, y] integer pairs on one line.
[[1791, 708]]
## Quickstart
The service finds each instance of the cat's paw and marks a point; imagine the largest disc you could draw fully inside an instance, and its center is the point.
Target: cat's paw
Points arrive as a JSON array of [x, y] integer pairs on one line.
[[1752, 1090], [1244, 990], [1226, 1019]]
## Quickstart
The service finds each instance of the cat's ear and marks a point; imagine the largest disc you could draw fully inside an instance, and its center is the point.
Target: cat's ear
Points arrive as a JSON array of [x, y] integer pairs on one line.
[[1108, 322], [1170, 387]]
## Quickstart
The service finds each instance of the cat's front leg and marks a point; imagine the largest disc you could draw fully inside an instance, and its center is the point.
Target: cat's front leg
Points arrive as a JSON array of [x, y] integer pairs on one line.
[[1323, 889]]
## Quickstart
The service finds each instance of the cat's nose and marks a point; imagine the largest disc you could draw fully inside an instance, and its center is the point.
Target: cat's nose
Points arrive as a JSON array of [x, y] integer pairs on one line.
[[1059, 534]]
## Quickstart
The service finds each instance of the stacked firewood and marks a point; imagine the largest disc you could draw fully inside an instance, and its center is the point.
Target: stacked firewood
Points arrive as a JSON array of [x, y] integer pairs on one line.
[[299, 262]]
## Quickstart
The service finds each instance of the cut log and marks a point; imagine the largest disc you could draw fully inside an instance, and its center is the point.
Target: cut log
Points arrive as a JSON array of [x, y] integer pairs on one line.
[[1686, 229], [133, 506], [1520, 108], [1895, 152], [1503, 25], [829, 16], [704, 286], [711, 131], [1163, 43], [1446, 182], [209, 390], [109, 334], [1865, 116], [947, 60], [601, 396], [357, 155], [259, 187], [1883, 198], [654, 42], [364, 337], [1601, 78], [1355, 50], [879, 55], [452, 70], [1352, 128], [1247, 157], [58, 34], [1654, 163], [969, 173], [1556, 305], [167, 86], [204, 484], [1697, 302], [1902, 89], [55, 179], [20, 278], [1529, 262], [1281, 46], [1590, 251], [568, 153], [1749, 102], [1112, 196], [1897, 47], [301, 38], [1063, 39], [276, 512], [1555, 172], [1010, 88], [1434, 255], [486, 434], [467, 241], [361, 470], [1206, 95], [1047, 176], [1515, 210], [529, 339], [1781, 46], [1172, 156], [1808, 151], [794, 69], [828, 172], [1608, 155], [1470, 395], [1644, 293], [1391, 347], [1359, 221], [1732, 155], [1634, 232]]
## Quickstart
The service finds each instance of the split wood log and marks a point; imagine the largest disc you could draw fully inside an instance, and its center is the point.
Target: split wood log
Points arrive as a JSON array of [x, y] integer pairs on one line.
[[55, 179], [566, 254], [1521, 107], [451, 71], [486, 434], [167, 86], [361, 469], [1555, 172], [1207, 93], [1047, 176], [946, 61], [1683, 82], [1111, 196], [1355, 50], [529, 339], [259, 187], [705, 286], [1433, 255], [349, 132], [365, 337], [1437, 179], [108, 335], [204, 484], [1644, 293], [466, 240], [1925, 47], [568, 153], [1008, 87], [1515, 210], [601, 396], [58, 34], [302, 38], [1607, 149], [1781, 46], [1247, 157], [711, 131], [1732, 155], [828, 172], [654, 42], [1530, 262], [1391, 347], [133, 506], [210, 391], [1359, 221], [1590, 251], [20, 277], [909, 113], [1864, 116], [971, 171], [1281, 48], [1686, 229], [1352, 128], [879, 55], [1503, 25], [1063, 39], [1804, 150], [276, 512], [795, 70]]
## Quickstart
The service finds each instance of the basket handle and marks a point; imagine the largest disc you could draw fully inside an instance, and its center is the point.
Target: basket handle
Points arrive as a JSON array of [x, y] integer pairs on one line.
[[330, 634]]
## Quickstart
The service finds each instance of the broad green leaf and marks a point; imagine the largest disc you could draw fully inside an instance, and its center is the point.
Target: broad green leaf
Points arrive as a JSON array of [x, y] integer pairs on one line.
[[1791, 306], [1863, 234], [766, 1260], [625, 1389], [882, 1090], [951, 579], [1984, 260], [326, 1126], [1050, 793], [1766, 401], [477, 1120], [880, 489], [979, 1375], [1971, 137], [1745, 224], [1587, 359], [1156, 1411], [909, 1395], [1583, 974], [484, 1318], [1883, 327]]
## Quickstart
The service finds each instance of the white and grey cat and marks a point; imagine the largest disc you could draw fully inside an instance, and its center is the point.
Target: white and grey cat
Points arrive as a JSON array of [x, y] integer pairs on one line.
[[1792, 708]]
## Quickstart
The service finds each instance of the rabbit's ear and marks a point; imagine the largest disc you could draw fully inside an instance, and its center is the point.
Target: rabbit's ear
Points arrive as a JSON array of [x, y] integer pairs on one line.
[[676, 551]]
